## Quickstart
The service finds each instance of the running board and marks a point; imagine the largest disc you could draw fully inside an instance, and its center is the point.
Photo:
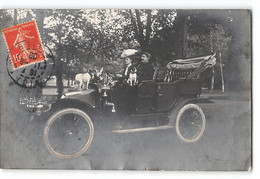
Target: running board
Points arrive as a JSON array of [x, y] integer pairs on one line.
[[148, 114], [123, 131]]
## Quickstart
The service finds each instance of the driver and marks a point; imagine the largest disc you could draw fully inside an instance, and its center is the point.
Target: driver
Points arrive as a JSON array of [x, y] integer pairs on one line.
[[146, 70]]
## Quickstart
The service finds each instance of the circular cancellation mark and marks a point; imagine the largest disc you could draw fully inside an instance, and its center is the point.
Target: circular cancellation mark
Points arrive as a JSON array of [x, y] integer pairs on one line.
[[30, 74]]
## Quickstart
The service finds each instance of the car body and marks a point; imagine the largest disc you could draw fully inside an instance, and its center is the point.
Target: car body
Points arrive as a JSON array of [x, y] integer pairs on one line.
[[168, 100]]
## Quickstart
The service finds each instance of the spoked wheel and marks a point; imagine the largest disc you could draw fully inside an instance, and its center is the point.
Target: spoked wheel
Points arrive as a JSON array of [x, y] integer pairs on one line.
[[68, 133], [190, 123]]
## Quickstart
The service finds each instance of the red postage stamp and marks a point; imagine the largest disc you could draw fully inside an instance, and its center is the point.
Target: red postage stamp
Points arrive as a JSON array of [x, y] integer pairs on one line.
[[24, 44]]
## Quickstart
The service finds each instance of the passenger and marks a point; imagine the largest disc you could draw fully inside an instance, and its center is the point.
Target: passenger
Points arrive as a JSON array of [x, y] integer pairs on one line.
[[127, 55], [158, 71], [146, 70], [126, 92]]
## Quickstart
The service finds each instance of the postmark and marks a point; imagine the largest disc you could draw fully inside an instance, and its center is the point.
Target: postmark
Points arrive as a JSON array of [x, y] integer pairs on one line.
[[29, 63]]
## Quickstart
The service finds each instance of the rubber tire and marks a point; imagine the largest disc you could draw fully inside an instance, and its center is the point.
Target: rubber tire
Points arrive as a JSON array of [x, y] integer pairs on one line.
[[52, 119], [182, 110]]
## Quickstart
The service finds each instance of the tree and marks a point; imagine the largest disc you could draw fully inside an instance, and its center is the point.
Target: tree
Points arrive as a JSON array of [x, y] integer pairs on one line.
[[153, 30], [5, 18], [220, 45], [181, 30], [209, 32], [39, 16], [81, 39], [65, 27]]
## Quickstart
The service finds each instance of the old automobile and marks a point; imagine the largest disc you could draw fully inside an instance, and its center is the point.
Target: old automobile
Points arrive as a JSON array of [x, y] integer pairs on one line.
[[168, 101]]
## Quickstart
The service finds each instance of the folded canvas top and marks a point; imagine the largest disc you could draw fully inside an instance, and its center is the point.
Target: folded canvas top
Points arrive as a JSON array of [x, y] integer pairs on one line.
[[191, 63]]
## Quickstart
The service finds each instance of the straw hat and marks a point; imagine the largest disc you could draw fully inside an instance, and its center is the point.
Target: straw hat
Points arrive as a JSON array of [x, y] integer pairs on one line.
[[128, 53]]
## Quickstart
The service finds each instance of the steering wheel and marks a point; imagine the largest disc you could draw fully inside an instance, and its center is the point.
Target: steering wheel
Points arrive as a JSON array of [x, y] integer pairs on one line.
[[110, 78]]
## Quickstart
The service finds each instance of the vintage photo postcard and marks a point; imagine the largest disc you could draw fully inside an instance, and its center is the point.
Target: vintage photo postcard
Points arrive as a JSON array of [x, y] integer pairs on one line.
[[126, 89]]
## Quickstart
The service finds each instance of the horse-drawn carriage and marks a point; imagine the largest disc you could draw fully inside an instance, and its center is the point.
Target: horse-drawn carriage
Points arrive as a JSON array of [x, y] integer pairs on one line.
[[169, 100]]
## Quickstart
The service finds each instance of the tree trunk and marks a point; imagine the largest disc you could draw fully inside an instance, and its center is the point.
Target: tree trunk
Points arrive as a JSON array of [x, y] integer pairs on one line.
[[212, 80], [148, 28], [59, 74], [40, 20], [141, 30], [68, 82], [15, 17], [222, 74], [181, 28], [211, 44], [134, 24], [185, 34]]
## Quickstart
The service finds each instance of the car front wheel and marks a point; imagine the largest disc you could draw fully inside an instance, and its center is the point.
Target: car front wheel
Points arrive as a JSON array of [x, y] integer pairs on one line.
[[68, 133]]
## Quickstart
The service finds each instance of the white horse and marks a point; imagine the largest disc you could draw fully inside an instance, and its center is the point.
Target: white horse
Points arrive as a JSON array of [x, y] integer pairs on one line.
[[83, 79]]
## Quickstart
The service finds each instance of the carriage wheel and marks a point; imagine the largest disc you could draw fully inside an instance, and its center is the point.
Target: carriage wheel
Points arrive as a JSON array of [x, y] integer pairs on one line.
[[68, 133], [190, 123]]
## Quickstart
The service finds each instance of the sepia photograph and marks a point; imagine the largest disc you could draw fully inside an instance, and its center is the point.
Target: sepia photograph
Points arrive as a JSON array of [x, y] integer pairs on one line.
[[126, 89]]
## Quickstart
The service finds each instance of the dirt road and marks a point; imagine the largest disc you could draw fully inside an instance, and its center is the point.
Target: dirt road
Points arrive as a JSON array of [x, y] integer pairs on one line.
[[225, 144]]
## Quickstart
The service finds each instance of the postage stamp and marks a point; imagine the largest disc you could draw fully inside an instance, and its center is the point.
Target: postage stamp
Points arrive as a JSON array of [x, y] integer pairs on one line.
[[24, 44], [28, 62]]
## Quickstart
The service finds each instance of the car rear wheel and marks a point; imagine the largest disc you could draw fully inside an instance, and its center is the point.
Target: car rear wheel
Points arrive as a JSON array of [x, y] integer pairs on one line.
[[68, 133], [190, 123]]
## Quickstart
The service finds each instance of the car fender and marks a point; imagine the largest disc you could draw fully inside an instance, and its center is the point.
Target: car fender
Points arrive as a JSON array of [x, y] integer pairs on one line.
[[74, 103]]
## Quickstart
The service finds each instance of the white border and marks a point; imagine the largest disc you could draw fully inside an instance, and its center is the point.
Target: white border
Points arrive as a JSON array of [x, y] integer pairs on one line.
[[254, 5], [79, 4]]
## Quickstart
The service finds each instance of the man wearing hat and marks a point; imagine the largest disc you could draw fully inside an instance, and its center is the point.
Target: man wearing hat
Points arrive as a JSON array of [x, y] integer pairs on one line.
[[146, 70]]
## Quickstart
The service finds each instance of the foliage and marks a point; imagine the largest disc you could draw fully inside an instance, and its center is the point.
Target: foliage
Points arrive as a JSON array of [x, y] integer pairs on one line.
[[5, 19], [83, 39]]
